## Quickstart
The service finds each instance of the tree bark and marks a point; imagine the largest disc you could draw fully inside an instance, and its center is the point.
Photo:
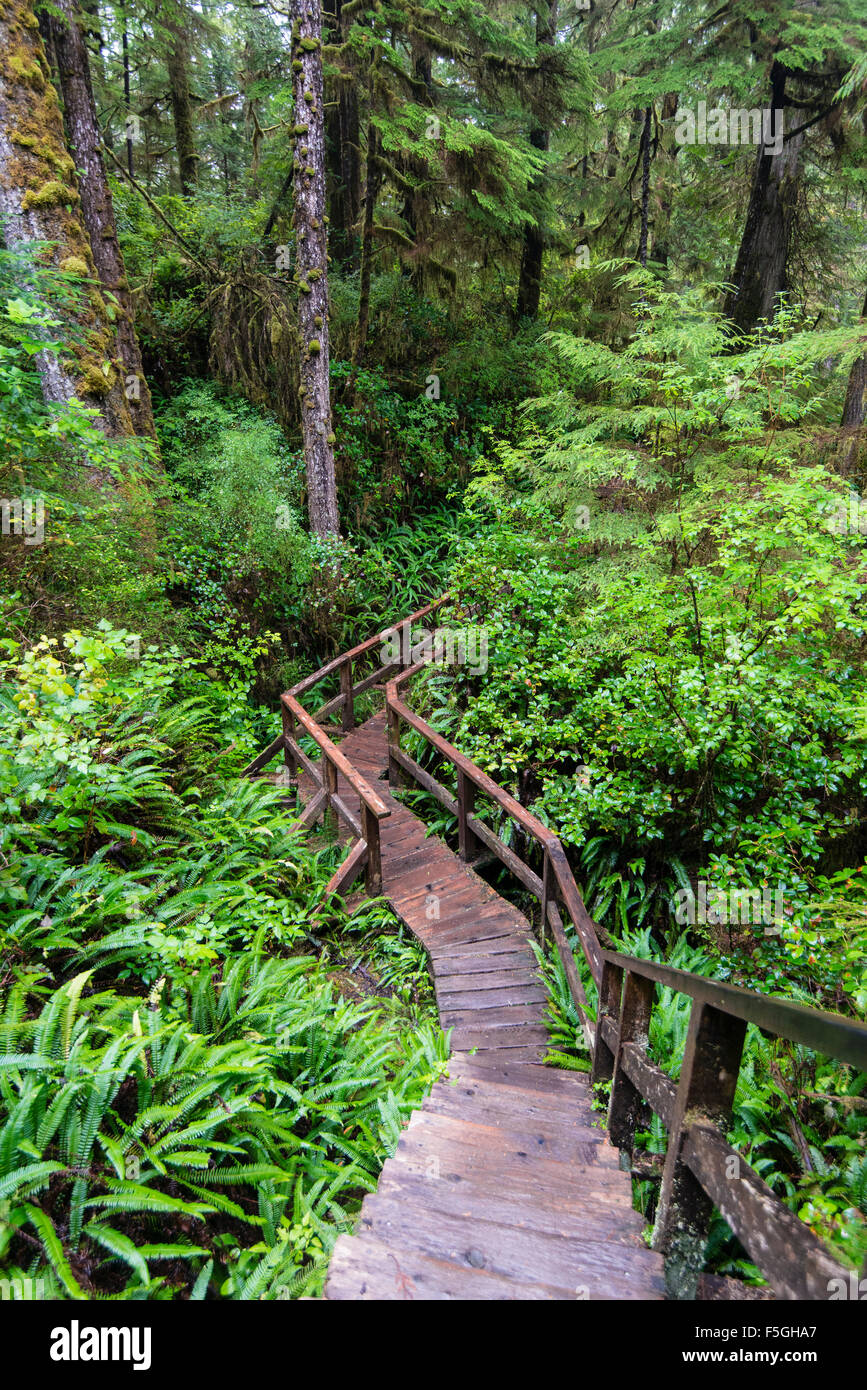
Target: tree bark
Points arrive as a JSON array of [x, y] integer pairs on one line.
[[178, 66], [532, 254], [760, 272], [373, 179], [97, 208], [126, 101], [666, 154], [344, 152], [39, 201], [645, 186], [312, 266], [855, 405]]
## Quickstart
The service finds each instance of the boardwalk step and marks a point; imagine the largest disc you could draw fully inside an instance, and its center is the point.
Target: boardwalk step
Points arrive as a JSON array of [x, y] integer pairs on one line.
[[475, 1203], [368, 1269], [595, 1266]]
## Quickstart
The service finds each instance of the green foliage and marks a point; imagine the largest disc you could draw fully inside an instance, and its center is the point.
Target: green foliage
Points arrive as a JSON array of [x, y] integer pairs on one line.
[[190, 1104]]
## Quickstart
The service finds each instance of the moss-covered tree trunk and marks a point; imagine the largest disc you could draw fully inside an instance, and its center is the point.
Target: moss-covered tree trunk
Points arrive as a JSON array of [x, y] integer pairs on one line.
[[312, 265], [178, 67], [39, 201], [96, 205]]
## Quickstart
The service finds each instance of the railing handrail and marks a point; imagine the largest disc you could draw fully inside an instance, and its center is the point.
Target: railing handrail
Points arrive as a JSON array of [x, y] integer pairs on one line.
[[825, 1032], [330, 667], [334, 763], [363, 790]]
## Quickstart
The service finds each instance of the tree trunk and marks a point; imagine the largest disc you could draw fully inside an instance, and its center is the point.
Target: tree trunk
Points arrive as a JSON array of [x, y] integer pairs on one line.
[[40, 202], [96, 206], [760, 272], [645, 186], [530, 275], [666, 154], [855, 406], [344, 152], [177, 63], [126, 101], [312, 266], [372, 181]]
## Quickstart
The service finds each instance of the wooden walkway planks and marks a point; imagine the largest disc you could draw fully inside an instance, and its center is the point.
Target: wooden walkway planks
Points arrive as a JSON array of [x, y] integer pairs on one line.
[[504, 1185]]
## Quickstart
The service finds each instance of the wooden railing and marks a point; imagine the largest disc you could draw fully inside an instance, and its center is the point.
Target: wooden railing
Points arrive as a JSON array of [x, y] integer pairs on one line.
[[365, 853], [702, 1170]]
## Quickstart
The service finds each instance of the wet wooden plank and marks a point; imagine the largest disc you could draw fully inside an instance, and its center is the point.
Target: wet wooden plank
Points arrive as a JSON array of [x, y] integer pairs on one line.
[[596, 1268], [496, 996], [362, 1270]]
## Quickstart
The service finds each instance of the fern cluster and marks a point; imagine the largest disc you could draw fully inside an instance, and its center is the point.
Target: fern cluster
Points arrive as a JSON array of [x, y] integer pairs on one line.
[[192, 1104]]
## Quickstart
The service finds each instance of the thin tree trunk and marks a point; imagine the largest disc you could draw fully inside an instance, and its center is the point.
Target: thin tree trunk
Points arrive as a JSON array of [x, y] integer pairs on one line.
[[666, 155], [532, 254], [645, 186], [372, 182], [344, 153], [96, 205], [177, 64], [760, 273], [126, 102], [855, 406], [312, 266], [39, 201]]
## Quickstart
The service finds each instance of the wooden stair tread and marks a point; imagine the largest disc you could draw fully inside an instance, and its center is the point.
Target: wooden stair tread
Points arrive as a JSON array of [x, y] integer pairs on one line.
[[526, 1255], [362, 1269], [475, 1204]]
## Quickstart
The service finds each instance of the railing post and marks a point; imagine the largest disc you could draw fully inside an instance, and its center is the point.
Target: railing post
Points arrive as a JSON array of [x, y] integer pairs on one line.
[[468, 846], [627, 1108], [290, 775], [396, 776], [546, 890], [609, 1007], [329, 786], [347, 719], [373, 872], [708, 1077]]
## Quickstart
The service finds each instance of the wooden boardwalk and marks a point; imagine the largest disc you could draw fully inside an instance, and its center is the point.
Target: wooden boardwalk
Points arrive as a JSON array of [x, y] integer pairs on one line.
[[504, 1184]]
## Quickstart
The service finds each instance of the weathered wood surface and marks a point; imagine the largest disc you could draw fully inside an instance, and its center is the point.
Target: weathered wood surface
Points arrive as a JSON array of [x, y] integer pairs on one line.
[[504, 1185]]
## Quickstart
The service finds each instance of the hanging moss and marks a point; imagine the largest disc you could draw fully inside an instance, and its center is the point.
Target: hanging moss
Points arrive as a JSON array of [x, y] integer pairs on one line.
[[297, 67], [308, 96], [314, 274], [314, 346], [308, 45], [331, 438]]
